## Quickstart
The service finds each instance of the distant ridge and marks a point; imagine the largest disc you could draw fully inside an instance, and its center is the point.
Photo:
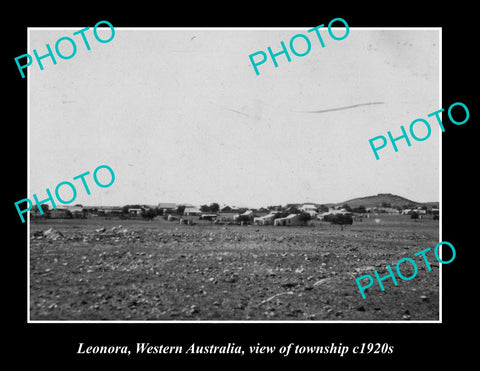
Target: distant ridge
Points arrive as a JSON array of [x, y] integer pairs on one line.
[[384, 198]]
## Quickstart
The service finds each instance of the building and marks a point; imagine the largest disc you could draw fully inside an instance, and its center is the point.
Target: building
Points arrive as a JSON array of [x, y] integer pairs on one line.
[[421, 211], [208, 216], [227, 217], [109, 211], [77, 211], [135, 211], [385, 210], [291, 220], [332, 211], [230, 209], [167, 207], [309, 209], [248, 214], [228, 214], [192, 211], [264, 220]]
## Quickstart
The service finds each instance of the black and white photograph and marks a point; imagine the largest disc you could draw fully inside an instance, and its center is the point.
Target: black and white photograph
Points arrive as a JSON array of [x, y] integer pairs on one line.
[[234, 196], [231, 184]]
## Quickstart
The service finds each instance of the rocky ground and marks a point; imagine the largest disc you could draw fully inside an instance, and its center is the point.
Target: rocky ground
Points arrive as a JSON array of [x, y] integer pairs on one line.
[[159, 270]]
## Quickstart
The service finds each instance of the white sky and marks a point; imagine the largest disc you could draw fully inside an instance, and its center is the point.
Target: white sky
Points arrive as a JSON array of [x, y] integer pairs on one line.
[[181, 116]]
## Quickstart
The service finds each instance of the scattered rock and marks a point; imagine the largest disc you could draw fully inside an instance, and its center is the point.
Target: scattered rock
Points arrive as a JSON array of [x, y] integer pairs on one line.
[[300, 270], [321, 281], [52, 234], [193, 309]]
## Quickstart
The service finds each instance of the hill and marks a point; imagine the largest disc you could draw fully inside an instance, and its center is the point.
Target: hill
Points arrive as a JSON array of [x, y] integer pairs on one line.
[[384, 198]]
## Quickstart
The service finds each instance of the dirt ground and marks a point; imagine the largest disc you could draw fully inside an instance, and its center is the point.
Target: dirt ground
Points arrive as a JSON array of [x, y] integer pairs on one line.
[[98, 269]]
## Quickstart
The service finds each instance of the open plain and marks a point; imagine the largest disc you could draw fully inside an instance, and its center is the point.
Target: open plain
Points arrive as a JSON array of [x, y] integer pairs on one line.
[[112, 269]]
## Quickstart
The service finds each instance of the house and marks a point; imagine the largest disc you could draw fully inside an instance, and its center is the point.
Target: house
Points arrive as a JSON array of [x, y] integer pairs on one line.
[[230, 209], [291, 220], [167, 207], [263, 211], [192, 211], [110, 211], [333, 211], [264, 220], [421, 211], [309, 209], [227, 217], [246, 217], [135, 211], [208, 216], [77, 211], [388, 210], [248, 214], [228, 214]]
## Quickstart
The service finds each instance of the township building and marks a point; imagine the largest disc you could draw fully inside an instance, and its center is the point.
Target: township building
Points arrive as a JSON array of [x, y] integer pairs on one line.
[[264, 220], [167, 207], [309, 209], [292, 219], [192, 211]]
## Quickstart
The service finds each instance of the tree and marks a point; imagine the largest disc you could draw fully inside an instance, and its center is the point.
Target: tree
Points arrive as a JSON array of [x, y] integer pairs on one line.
[[214, 207], [180, 209], [292, 209], [323, 209], [205, 209], [414, 215], [274, 208], [361, 209], [244, 218], [340, 219], [149, 214], [44, 207], [126, 207], [346, 207], [305, 217]]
